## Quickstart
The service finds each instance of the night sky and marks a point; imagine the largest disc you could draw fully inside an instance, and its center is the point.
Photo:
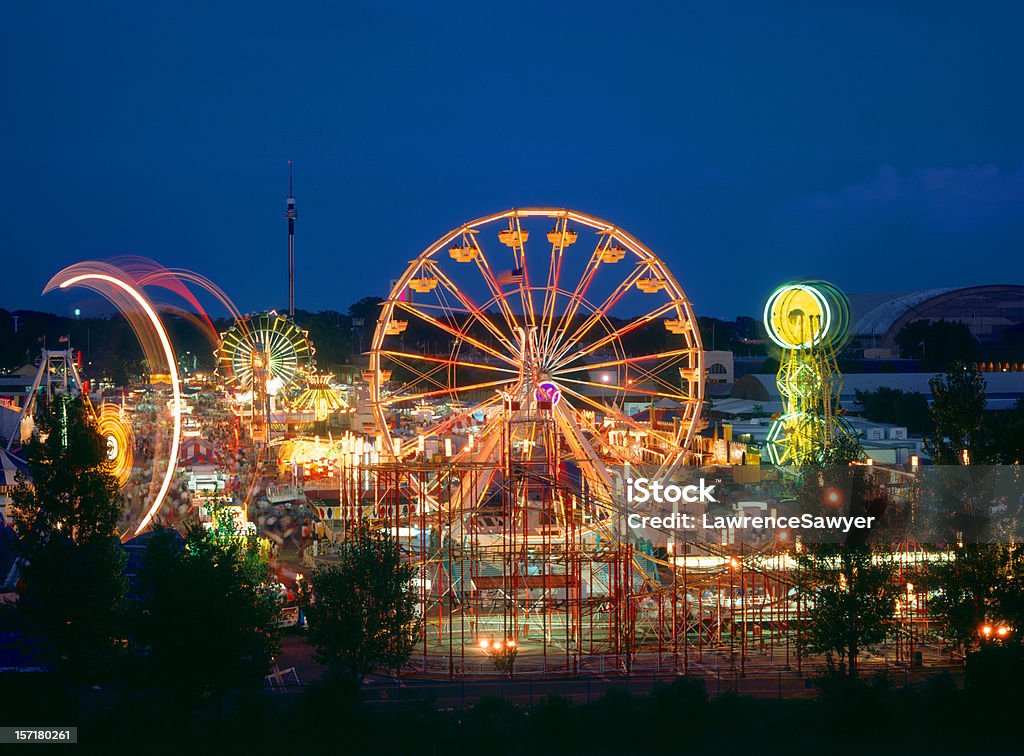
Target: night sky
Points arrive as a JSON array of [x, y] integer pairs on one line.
[[881, 148]]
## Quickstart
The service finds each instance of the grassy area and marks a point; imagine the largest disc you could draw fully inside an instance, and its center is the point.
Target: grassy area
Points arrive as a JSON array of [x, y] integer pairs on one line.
[[676, 718]]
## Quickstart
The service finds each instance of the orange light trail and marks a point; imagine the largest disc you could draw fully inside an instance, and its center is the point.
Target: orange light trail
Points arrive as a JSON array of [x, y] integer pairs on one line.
[[172, 366]]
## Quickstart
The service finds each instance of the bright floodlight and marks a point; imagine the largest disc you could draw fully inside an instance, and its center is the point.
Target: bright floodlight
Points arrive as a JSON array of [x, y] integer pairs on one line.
[[274, 385]]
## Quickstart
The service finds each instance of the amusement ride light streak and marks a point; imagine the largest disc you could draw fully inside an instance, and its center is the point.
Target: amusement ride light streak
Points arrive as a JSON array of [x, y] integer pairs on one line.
[[172, 368], [120, 439]]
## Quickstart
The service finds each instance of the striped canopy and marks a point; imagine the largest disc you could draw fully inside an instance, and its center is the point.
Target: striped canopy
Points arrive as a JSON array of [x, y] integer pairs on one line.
[[10, 466]]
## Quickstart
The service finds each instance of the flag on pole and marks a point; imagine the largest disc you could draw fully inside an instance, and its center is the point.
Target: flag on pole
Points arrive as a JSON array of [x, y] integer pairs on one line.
[[63, 340], [511, 277], [403, 295]]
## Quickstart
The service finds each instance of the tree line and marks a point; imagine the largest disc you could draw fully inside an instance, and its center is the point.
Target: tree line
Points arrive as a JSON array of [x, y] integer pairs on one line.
[[197, 615]]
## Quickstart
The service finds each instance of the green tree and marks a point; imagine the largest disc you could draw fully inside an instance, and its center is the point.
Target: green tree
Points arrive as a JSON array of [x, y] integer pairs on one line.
[[367, 308], [207, 610], [852, 594], [981, 584], [362, 612], [939, 344], [73, 594], [836, 487], [1003, 436], [844, 449], [830, 473], [888, 405], [958, 411], [331, 333]]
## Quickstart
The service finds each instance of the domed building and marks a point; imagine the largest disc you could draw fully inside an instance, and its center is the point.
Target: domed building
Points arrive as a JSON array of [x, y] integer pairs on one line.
[[988, 311]]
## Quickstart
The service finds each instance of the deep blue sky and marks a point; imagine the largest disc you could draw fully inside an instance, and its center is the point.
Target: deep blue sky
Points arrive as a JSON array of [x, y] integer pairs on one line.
[[877, 144]]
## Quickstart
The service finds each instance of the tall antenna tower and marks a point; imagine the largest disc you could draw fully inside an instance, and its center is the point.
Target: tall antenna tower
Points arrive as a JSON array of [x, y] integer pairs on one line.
[[290, 214]]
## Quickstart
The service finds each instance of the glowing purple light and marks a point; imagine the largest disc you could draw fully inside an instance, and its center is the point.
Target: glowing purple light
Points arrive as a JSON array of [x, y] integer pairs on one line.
[[548, 392]]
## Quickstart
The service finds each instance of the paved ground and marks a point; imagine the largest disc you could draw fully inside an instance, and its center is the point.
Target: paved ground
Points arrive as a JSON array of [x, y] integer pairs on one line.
[[719, 677], [297, 654], [526, 691]]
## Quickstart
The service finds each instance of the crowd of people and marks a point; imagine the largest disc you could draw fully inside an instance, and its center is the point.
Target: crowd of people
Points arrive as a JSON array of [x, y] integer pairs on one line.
[[241, 473]]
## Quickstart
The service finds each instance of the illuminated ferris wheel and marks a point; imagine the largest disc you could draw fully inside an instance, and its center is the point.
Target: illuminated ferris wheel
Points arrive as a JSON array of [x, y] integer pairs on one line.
[[538, 312], [267, 345]]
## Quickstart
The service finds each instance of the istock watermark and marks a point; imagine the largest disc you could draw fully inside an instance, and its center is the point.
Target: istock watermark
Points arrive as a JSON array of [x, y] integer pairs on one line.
[[657, 492], [643, 491], [678, 521]]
